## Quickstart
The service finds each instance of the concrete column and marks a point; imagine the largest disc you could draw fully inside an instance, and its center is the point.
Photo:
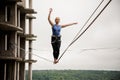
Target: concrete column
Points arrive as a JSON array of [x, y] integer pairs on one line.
[[30, 64], [6, 43], [15, 43], [5, 71], [30, 44], [6, 14], [5, 63], [15, 71], [18, 16], [30, 26], [30, 4], [24, 3], [22, 71], [18, 47], [18, 70]]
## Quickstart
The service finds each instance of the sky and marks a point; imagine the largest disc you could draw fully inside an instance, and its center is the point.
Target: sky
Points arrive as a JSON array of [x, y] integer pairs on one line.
[[101, 40]]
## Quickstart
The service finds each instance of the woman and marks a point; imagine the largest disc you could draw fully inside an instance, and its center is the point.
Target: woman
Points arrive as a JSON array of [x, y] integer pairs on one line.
[[56, 37]]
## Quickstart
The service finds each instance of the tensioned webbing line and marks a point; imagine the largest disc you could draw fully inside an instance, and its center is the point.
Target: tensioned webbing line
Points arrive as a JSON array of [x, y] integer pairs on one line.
[[82, 28], [32, 53], [88, 20], [52, 61], [85, 29], [13, 45]]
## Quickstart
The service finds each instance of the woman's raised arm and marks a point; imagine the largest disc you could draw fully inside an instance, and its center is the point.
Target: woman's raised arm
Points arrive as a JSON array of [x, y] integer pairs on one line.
[[49, 16]]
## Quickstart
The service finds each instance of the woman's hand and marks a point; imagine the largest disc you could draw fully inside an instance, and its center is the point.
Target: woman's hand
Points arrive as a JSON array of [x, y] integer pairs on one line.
[[50, 10], [75, 23]]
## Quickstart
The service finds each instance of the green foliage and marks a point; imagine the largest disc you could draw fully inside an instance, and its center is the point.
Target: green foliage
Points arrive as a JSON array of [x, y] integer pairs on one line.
[[74, 75]]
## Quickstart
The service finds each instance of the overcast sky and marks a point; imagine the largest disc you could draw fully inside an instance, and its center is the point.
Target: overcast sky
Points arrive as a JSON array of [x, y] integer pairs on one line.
[[104, 33]]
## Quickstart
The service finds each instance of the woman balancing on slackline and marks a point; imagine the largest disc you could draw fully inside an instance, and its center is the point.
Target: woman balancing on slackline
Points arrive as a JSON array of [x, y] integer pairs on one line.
[[56, 37]]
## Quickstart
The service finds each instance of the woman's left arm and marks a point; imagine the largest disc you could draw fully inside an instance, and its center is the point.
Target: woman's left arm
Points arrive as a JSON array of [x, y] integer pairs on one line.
[[66, 25]]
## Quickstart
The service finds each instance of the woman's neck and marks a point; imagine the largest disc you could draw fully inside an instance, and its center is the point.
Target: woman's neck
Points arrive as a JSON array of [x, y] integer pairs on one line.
[[56, 24]]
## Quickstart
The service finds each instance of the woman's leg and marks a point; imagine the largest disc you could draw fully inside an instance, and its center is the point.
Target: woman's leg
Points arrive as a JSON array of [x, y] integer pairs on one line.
[[54, 50], [58, 48], [54, 46]]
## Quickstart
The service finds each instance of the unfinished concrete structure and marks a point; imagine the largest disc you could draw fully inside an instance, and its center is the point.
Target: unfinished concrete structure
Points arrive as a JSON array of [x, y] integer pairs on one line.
[[13, 36]]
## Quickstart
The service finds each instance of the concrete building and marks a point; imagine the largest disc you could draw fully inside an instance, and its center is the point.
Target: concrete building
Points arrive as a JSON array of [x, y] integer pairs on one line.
[[13, 36]]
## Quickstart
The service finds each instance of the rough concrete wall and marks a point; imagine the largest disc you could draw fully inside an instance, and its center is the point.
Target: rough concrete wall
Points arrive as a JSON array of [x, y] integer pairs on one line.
[[13, 13], [1, 70], [2, 41], [22, 22], [23, 2], [13, 40], [22, 45], [10, 71], [2, 11], [12, 67]]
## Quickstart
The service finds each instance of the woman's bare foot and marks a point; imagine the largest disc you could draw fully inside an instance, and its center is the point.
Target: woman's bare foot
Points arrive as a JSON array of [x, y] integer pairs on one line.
[[55, 61]]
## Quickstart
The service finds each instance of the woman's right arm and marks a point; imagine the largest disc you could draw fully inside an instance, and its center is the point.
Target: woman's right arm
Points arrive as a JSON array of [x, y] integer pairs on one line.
[[49, 15]]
